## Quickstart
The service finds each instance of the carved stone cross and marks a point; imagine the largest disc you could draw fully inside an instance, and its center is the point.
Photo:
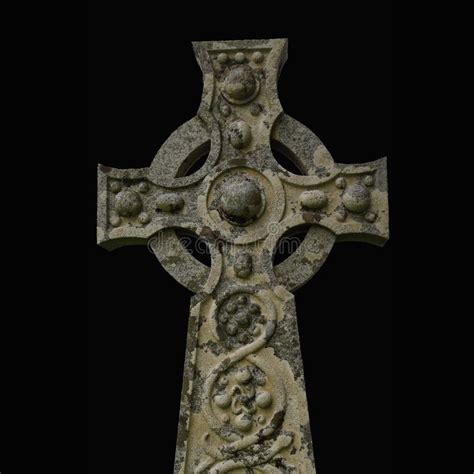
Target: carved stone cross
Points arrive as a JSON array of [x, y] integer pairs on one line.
[[243, 405]]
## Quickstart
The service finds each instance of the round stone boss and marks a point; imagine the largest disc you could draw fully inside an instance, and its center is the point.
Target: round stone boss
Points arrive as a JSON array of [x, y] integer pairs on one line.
[[239, 203], [128, 203], [356, 198], [240, 85]]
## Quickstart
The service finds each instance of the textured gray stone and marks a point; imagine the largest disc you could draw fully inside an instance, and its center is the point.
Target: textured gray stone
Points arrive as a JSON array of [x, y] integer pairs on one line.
[[243, 405]]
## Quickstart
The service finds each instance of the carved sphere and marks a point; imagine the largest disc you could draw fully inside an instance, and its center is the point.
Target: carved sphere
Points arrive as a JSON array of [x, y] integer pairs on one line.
[[225, 110], [240, 83], [243, 265], [223, 401], [257, 57], [255, 109], [370, 217], [115, 220], [341, 183], [115, 186], [341, 215], [222, 58], [243, 375], [356, 198], [243, 422], [128, 203], [144, 218], [239, 57], [264, 399], [241, 201], [369, 180], [239, 134]]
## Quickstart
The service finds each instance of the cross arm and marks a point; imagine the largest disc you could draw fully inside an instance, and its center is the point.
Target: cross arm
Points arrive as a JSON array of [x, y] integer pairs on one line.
[[351, 201], [363, 212], [131, 208]]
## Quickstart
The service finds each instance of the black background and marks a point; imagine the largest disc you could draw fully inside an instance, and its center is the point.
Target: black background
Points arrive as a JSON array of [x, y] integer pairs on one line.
[[143, 83]]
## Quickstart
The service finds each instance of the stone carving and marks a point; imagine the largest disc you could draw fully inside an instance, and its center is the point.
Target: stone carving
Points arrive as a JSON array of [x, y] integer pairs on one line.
[[240, 134], [240, 84], [128, 203], [314, 199], [237, 321], [356, 198], [241, 201], [169, 202], [243, 405], [243, 265]]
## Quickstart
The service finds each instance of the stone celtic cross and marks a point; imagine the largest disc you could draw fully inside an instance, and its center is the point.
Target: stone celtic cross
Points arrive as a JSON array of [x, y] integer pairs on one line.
[[243, 405]]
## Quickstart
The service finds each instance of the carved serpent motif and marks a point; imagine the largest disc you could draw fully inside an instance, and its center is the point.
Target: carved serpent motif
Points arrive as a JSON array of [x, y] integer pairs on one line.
[[229, 456]]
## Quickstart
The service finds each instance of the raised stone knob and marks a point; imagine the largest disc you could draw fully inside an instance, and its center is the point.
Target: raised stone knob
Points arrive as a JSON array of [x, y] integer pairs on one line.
[[128, 203], [241, 202], [313, 199], [240, 134], [169, 202], [356, 198], [243, 422], [240, 84]]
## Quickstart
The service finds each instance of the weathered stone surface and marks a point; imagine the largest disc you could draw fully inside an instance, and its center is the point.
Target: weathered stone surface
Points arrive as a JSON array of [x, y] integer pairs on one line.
[[243, 405]]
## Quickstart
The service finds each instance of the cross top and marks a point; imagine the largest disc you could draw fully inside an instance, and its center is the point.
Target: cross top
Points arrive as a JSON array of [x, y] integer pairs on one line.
[[243, 403]]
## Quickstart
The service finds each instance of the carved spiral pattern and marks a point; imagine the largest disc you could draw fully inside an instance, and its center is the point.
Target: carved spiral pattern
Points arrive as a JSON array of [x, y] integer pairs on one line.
[[243, 400]]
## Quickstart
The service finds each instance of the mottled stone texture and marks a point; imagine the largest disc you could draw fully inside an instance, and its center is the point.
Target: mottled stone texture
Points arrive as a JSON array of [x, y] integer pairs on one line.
[[243, 406]]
